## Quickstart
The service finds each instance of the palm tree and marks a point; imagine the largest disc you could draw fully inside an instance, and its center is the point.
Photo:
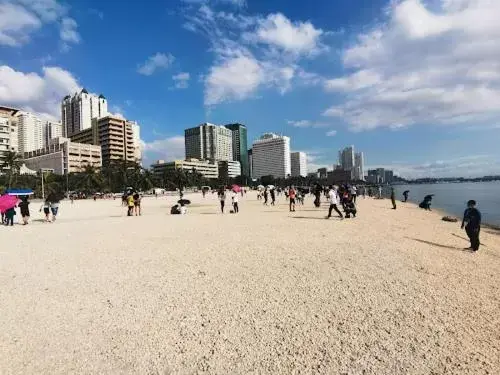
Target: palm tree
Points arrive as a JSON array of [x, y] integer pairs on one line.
[[10, 164], [90, 179]]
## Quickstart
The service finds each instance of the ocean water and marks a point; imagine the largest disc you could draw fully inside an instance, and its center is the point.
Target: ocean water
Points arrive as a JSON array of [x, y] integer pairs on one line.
[[452, 198]]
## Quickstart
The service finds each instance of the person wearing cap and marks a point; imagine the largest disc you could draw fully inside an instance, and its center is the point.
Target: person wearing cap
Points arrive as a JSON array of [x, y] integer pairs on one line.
[[472, 224]]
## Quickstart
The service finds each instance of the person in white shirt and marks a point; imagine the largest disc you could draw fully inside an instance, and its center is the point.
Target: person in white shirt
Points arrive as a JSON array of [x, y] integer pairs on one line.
[[235, 202], [354, 193], [334, 200]]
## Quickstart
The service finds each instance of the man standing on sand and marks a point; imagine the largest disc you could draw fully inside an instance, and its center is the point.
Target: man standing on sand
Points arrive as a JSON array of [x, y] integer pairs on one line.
[[472, 217], [393, 198], [405, 195], [334, 200], [354, 193]]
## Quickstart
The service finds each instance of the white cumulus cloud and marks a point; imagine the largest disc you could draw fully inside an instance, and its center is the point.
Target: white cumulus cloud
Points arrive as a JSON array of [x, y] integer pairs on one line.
[[170, 148], [34, 92], [19, 19], [424, 65], [155, 62]]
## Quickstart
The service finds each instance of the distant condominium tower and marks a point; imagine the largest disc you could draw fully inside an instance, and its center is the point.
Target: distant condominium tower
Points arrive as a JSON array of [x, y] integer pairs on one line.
[[359, 166], [8, 131], [209, 142], [298, 164], [271, 156], [77, 111], [116, 136], [240, 146], [34, 132], [346, 158]]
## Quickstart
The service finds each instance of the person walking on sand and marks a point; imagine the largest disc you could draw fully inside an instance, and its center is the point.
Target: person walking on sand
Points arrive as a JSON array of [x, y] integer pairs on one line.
[[9, 216], [273, 197], [380, 192], [235, 198], [54, 208], [222, 198], [334, 200], [130, 205], [405, 195], [25, 210], [266, 196], [292, 194], [393, 198], [472, 224], [46, 210], [137, 204]]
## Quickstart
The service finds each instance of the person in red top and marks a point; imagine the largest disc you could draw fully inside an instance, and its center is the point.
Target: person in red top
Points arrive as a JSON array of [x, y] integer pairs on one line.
[[291, 195]]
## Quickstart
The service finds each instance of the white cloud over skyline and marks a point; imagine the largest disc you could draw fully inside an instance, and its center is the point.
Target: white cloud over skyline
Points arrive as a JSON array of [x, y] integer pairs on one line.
[[424, 65]]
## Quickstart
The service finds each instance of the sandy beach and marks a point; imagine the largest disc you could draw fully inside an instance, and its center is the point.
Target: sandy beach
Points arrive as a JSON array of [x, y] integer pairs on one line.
[[263, 291]]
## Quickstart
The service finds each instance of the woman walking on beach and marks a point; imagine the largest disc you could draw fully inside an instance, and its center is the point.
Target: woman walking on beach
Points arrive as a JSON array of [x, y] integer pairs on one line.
[[25, 210], [137, 204], [266, 196], [130, 204], [222, 198]]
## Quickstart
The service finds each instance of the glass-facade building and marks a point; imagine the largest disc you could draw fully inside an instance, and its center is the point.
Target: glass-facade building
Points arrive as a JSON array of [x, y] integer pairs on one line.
[[240, 146]]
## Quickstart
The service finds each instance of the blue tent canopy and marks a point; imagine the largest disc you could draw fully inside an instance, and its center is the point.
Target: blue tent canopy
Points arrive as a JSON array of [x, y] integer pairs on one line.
[[19, 192]]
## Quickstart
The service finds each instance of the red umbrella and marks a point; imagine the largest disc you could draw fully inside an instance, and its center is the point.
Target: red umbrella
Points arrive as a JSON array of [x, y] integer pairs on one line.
[[236, 188], [7, 202]]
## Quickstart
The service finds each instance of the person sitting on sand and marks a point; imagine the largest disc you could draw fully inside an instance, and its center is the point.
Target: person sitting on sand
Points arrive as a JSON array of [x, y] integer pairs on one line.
[[350, 208]]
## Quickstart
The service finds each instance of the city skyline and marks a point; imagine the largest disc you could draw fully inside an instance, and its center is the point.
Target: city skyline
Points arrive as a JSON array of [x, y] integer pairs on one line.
[[312, 73]]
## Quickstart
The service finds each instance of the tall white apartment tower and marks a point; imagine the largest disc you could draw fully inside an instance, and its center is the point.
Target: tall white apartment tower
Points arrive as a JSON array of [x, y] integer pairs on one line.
[[77, 111], [271, 156], [359, 166], [30, 132], [209, 142], [299, 164]]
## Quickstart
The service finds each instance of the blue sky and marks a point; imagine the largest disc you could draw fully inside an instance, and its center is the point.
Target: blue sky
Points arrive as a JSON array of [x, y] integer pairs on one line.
[[414, 84]]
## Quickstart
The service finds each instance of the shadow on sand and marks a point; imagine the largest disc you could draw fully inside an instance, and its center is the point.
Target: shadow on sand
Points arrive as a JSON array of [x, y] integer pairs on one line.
[[437, 244], [313, 218]]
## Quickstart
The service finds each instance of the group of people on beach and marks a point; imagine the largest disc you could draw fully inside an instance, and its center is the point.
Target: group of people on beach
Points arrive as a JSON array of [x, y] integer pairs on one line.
[[132, 200]]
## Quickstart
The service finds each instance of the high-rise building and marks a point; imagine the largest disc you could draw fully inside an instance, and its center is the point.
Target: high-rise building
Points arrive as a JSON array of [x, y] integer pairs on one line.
[[31, 132], [52, 130], [209, 142], [77, 111], [35, 132], [346, 158], [271, 156], [8, 131], [322, 173], [116, 137], [240, 146], [298, 164], [359, 166], [388, 176], [250, 163]]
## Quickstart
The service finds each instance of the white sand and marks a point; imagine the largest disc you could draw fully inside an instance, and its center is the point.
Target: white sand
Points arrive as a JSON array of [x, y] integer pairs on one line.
[[264, 291]]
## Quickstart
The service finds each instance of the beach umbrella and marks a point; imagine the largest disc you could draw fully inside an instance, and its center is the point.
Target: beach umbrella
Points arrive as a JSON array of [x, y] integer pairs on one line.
[[184, 201], [260, 187], [236, 188], [19, 192], [7, 202]]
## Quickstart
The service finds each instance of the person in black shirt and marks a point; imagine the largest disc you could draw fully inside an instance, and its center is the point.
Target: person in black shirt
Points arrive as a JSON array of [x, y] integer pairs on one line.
[[472, 224]]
